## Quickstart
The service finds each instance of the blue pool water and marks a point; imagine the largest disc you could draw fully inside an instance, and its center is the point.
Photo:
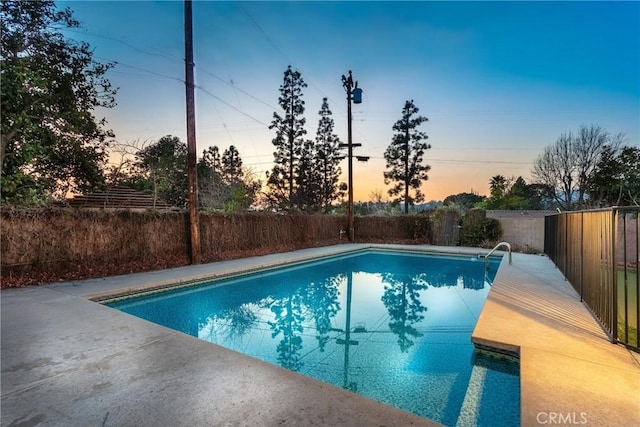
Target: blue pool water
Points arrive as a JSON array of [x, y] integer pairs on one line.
[[393, 326]]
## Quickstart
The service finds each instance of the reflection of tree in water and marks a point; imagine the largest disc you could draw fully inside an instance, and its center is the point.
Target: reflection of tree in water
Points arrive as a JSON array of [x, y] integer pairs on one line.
[[288, 321], [322, 299], [443, 279], [232, 322], [473, 282], [469, 280], [402, 300], [291, 309]]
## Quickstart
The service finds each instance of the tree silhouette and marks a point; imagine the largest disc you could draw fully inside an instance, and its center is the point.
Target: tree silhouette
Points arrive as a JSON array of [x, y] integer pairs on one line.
[[498, 185], [402, 299], [404, 158], [616, 178], [328, 156], [464, 201], [288, 321], [222, 181], [307, 194], [211, 159], [565, 167], [50, 141], [211, 187], [515, 194], [231, 165], [231, 322], [288, 141], [164, 163], [322, 297]]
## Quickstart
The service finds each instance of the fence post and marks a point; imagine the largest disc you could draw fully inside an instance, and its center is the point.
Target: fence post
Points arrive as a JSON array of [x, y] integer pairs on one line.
[[614, 269], [625, 278], [581, 255], [566, 245], [637, 284]]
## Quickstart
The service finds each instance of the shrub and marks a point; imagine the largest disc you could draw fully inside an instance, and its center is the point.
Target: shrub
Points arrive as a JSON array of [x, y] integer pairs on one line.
[[478, 230]]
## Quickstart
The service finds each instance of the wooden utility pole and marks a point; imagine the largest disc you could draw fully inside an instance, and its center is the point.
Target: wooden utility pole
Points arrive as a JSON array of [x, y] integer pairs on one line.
[[194, 222], [349, 86]]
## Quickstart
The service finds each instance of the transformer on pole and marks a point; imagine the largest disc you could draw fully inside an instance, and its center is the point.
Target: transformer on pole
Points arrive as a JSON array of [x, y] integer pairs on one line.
[[354, 93]]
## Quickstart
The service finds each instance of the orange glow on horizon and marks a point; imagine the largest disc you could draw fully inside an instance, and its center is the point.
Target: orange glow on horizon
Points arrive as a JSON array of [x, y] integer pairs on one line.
[[368, 177]]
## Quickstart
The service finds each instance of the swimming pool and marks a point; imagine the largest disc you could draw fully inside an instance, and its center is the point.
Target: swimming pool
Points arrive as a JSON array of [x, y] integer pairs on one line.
[[392, 326]]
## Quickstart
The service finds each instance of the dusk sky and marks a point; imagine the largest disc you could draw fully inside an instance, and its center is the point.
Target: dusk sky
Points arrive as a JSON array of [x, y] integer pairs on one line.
[[498, 81]]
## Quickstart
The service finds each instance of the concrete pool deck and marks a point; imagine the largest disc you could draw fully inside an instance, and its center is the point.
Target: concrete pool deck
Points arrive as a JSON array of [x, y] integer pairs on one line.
[[66, 360]]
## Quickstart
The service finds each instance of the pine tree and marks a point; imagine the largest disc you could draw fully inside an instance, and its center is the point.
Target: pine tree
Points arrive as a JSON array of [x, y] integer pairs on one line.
[[223, 183], [288, 141], [308, 196], [404, 158], [328, 157], [231, 165], [210, 182], [211, 159]]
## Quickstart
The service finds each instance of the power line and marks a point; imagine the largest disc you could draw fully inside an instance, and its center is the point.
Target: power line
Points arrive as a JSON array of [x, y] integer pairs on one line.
[[231, 106], [172, 58], [142, 69], [258, 164], [224, 125], [482, 149], [182, 81], [264, 34], [270, 40], [232, 85], [124, 42], [451, 161], [480, 161], [469, 161]]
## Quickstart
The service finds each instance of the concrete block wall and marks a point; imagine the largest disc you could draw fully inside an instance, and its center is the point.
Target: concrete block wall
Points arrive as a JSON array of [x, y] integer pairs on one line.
[[524, 230]]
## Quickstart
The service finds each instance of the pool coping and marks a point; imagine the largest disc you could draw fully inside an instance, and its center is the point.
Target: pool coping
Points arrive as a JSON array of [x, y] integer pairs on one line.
[[570, 372], [529, 295], [104, 288]]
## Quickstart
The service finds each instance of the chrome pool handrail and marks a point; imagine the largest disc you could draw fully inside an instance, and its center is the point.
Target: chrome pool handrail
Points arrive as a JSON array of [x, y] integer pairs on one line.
[[486, 257]]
